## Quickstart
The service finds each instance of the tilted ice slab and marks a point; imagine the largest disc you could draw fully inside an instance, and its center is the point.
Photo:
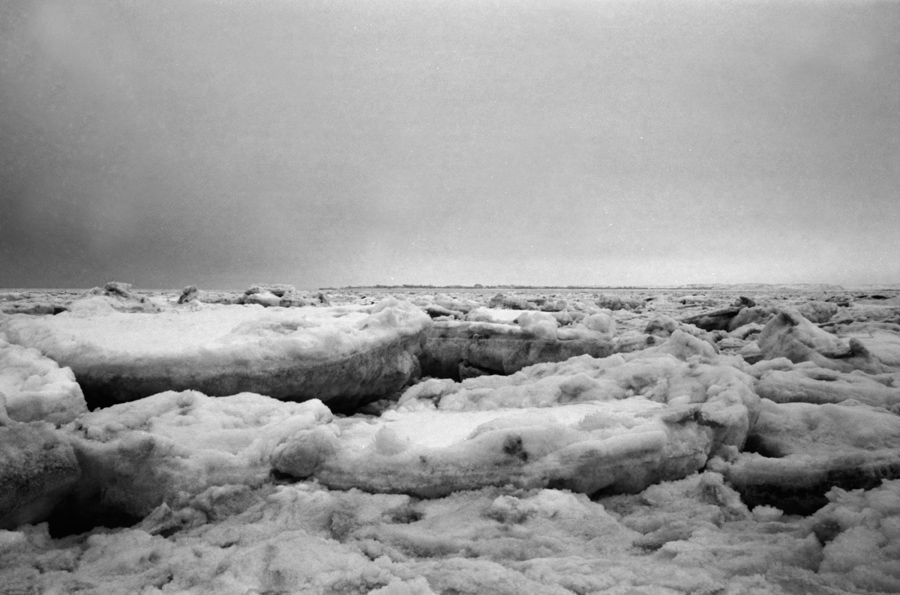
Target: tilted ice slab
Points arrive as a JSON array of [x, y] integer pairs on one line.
[[35, 388], [340, 355], [619, 424], [797, 452]]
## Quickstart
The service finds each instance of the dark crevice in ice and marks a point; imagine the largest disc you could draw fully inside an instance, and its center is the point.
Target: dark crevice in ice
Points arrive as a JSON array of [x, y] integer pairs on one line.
[[601, 493], [101, 400], [280, 477], [790, 500], [454, 370], [70, 520], [104, 395], [467, 369], [756, 444], [826, 530], [806, 499]]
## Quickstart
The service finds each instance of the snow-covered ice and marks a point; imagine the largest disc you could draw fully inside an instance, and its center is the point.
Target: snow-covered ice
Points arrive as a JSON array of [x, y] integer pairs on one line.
[[690, 536], [341, 354], [616, 424], [36, 388], [756, 457], [791, 335], [136, 456]]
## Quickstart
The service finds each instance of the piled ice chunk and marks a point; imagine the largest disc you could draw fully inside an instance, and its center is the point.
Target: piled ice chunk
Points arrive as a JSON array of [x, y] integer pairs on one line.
[[35, 388]]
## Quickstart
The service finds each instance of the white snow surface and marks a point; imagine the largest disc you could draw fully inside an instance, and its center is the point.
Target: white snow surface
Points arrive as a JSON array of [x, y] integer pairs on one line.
[[220, 334]]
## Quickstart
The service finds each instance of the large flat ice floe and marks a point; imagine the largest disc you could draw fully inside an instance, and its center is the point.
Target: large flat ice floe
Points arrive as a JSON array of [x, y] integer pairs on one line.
[[339, 355]]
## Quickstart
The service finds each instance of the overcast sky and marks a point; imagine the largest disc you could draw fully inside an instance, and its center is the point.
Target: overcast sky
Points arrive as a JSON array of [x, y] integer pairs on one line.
[[228, 142]]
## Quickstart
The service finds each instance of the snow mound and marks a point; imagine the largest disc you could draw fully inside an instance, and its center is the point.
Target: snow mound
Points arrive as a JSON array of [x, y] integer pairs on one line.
[[136, 456]]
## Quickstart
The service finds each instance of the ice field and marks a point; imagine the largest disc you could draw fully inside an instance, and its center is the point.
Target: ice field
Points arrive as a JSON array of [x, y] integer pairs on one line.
[[421, 441]]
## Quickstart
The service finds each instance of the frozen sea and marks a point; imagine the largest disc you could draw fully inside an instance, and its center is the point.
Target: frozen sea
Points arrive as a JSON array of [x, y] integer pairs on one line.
[[417, 440]]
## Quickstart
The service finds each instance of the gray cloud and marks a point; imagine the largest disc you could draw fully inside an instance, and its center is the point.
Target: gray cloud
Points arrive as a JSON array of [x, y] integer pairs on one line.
[[223, 143]]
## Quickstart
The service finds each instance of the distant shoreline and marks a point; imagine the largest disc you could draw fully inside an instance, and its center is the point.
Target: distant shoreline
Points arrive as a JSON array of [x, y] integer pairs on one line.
[[745, 287]]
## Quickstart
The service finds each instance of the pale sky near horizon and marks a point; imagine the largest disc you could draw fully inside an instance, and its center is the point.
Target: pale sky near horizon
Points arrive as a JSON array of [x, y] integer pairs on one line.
[[329, 143]]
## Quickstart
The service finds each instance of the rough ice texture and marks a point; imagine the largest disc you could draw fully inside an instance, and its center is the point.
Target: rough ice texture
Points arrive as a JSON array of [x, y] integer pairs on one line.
[[35, 388], [817, 311], [136, 456], [340, 355], [615, 424], [861, 531], [691, 536], [37, 469], [796, 452]]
